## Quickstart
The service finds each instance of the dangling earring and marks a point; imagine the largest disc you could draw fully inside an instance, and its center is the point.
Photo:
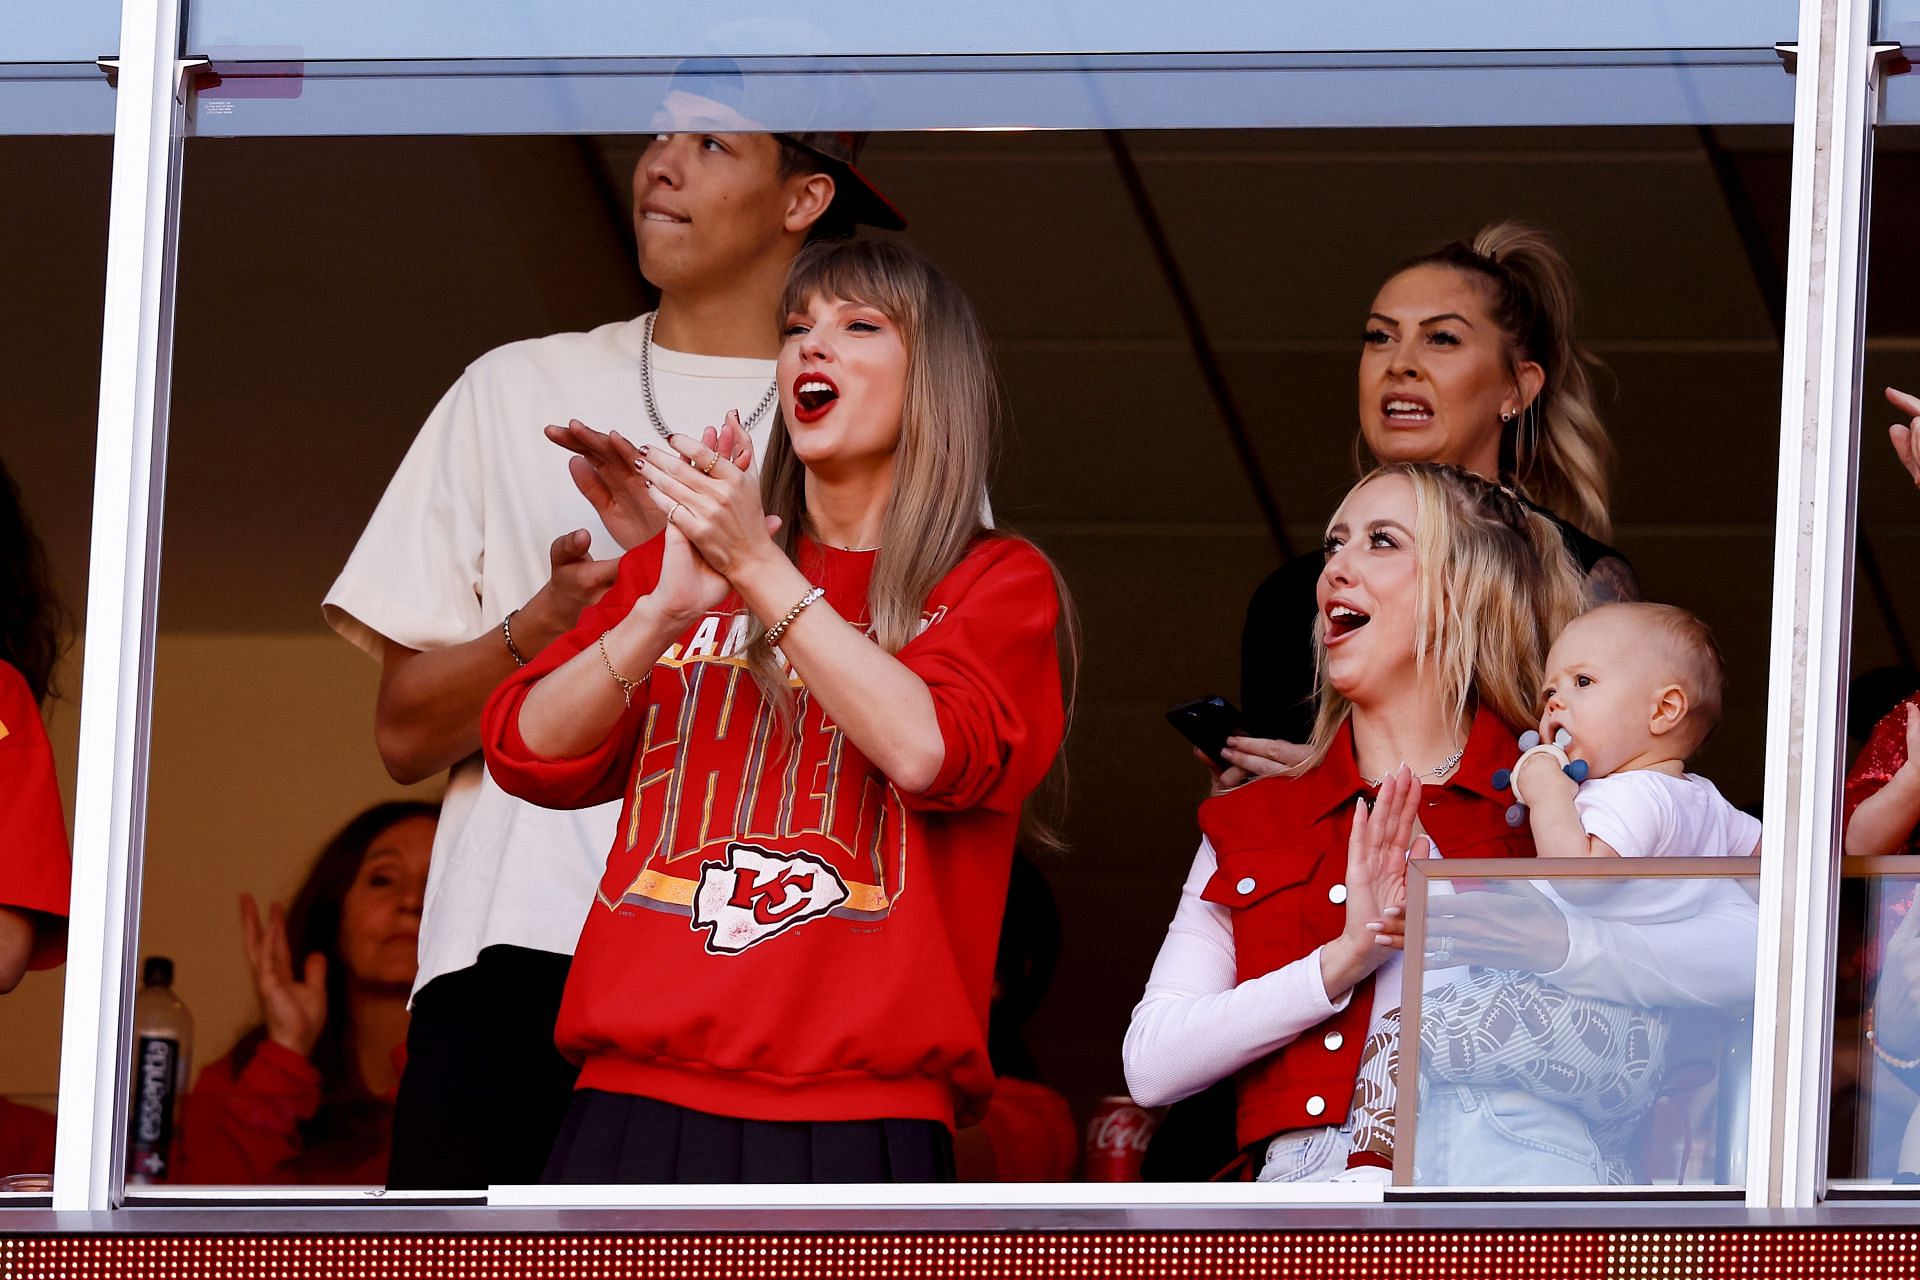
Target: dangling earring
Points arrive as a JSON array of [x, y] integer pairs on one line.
[[1526, 439]]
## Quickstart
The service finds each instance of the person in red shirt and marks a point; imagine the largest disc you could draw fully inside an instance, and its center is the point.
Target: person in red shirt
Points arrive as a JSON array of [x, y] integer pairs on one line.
[[1028, 1133], [1881, 815], [36, 864], [823, 698], [1282, 963], [307, 1096]]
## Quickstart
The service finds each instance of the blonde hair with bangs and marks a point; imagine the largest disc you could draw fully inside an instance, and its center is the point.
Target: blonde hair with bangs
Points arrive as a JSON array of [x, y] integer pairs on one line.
[[948, 418], [1495, 580]]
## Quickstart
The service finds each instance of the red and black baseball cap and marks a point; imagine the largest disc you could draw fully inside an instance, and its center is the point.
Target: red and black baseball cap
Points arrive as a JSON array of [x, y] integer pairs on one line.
[[854, 193], [715, 93]]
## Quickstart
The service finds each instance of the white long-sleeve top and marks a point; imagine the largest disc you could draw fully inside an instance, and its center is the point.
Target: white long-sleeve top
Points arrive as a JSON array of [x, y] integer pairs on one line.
[[1196, 1024]]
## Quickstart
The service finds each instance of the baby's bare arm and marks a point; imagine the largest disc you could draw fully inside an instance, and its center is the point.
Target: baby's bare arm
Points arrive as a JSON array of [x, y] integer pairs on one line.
[[1557, 832]]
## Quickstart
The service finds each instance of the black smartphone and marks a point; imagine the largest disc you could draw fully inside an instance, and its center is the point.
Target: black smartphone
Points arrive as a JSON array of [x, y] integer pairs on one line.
[[1207, 723]]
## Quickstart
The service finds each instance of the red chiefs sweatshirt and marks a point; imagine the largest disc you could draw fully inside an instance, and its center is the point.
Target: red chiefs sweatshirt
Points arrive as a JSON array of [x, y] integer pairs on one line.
[[782, 934]]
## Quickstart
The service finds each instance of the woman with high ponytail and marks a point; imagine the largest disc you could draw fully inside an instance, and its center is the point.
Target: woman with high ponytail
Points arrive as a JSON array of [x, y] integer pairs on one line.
[[1555, 451], [1470, 357]]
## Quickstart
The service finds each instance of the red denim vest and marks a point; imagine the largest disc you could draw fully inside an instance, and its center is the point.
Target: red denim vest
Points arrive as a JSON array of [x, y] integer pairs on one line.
[[1281, 844]]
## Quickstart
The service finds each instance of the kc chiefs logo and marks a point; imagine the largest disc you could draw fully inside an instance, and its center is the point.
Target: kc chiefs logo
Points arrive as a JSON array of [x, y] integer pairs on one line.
[[755, 893]]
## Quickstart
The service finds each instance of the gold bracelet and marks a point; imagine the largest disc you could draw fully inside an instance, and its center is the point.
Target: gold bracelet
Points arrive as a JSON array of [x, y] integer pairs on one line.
[[779, 628], [1899, 1064], [626, 686], [513, 650]]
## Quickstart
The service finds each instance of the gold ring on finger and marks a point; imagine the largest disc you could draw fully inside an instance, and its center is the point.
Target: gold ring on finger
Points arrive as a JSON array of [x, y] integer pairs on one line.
[[673, 511], [712, 462]]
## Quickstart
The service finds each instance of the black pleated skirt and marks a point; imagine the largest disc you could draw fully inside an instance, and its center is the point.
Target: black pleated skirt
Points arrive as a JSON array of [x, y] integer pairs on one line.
[[617, 1138]]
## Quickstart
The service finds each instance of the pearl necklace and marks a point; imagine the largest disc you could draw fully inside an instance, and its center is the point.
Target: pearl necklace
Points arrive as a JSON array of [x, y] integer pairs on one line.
[[1437, 771], [653, 408]]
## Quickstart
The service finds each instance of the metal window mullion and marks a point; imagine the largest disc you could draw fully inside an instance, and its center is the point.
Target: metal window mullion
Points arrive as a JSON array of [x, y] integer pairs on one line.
[[1812, 597], [123, 558]]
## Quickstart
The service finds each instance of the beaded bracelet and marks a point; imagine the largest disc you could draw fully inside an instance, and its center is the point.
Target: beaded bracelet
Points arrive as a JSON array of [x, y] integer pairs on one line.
[[779, 628], [513, 650], [1900, 1064]]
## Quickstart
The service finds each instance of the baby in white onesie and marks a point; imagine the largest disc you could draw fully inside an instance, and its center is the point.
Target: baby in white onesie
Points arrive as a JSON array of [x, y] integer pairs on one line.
[[1636, 689], [1631, 690]]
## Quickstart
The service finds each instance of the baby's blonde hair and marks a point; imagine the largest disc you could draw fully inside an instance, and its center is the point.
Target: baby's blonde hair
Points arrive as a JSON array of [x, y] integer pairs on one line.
[[1697, 663]]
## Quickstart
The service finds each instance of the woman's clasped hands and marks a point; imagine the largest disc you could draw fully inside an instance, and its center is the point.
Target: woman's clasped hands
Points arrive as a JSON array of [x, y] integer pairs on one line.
[[1378, 847], [701, 493]]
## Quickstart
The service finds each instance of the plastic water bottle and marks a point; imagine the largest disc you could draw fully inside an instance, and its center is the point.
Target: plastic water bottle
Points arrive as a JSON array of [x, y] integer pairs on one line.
[[162, 1054]]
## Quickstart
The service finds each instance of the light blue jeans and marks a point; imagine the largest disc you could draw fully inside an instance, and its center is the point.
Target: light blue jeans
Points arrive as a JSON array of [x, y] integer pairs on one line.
[[1475, 1137], [1306, 1155]]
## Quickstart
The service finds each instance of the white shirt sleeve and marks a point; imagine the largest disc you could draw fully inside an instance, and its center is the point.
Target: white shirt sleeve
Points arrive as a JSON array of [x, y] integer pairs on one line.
[[415, 577], [1195, 1025], [1707, 960], [1631, 811]]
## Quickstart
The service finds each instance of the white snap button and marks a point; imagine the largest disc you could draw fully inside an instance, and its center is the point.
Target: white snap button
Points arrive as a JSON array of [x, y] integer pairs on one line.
[[1333, 1040], [1337, 894], [1245, 887], [1316, 1104]]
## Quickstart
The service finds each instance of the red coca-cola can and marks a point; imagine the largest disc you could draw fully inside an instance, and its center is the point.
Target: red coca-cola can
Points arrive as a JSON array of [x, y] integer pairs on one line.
[[1117, 1137]]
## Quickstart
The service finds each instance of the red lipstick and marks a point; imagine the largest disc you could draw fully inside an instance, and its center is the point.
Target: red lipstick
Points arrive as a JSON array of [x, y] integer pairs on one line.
[[814, 395]]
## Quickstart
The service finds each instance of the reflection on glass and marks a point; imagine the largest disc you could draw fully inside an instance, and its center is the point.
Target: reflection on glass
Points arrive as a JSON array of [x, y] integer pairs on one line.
[[272, 93], [1898, 22], [762, 28], [1625, 1064], [1876, 1068], [71, 31]]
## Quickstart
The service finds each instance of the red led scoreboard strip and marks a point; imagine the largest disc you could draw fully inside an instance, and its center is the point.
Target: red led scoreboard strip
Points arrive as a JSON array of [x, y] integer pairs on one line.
[[1385, 1255]]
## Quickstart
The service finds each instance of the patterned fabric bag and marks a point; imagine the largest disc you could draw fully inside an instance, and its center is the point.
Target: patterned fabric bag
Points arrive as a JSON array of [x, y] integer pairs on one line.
[[1506, 1028]]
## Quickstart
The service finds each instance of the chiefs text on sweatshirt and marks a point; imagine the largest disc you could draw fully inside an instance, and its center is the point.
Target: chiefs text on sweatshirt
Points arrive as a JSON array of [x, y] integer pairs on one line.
[[781, 934]]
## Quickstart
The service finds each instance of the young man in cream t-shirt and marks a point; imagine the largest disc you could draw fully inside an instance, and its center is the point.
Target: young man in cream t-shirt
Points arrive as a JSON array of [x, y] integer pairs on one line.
[[476, 559]]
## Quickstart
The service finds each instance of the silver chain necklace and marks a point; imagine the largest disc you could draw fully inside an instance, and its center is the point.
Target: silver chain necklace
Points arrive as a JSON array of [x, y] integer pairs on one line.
[[1437, 771], [653, 407]]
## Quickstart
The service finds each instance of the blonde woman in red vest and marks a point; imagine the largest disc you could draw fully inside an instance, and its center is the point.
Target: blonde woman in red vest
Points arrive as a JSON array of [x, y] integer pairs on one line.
[[1283, 961]]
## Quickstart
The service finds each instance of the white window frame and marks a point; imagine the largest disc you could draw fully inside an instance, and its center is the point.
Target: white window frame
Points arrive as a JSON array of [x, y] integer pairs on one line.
[[1834, 110], [1814, 521]]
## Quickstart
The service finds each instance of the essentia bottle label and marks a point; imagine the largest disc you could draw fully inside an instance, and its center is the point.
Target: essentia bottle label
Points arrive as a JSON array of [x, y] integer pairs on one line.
[[156, 1073]]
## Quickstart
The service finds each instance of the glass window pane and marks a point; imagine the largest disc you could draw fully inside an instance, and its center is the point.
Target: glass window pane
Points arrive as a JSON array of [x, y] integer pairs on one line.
[[1899, 22], [1870, 1108], [605, 28], [53, 243], [1901, 106], [72, 31], [318, 327], [269, 96], [54, 97], [1876, 1134], [1625, 1064], [48, 80]]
